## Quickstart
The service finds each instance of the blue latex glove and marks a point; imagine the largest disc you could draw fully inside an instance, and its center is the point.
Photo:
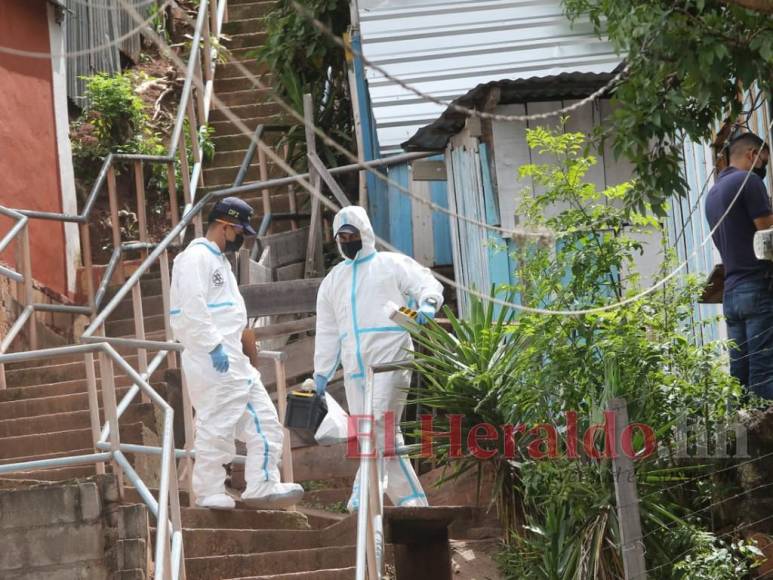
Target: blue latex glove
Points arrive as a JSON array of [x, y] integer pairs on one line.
[[219, 359], [425, 314], [320, 384]]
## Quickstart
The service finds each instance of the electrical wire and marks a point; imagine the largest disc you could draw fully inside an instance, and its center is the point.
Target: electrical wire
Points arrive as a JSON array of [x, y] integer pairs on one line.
[[83, 52], [723, 535], [305, 13], [471, 291]]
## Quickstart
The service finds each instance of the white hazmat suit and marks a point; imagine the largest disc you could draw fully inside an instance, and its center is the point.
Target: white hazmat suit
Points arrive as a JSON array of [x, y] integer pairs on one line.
[[207, 310], [354, 329]]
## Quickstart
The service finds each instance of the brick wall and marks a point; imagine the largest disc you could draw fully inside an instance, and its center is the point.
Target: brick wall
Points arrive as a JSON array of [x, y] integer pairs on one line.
[[54, 328]]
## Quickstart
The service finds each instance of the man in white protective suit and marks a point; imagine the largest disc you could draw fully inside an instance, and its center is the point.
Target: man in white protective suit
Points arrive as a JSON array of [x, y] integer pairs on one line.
[[353, 327], [209, 318]]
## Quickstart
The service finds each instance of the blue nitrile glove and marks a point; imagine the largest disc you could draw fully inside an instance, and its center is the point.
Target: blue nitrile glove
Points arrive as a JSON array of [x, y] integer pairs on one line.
[[320, 384], [425, 314], [219, 359]]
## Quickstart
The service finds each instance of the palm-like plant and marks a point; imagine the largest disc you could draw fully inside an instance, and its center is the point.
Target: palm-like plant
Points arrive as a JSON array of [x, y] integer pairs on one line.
[[501, 367]]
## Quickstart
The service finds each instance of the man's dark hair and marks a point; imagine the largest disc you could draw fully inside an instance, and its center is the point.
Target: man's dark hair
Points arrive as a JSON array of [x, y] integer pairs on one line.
[[746, 141]]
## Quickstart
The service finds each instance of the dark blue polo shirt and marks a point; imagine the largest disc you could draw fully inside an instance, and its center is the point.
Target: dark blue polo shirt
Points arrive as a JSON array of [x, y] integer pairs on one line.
[[734, 237]]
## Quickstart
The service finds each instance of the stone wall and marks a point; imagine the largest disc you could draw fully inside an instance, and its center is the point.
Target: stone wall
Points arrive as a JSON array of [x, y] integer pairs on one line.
[[73, 531]]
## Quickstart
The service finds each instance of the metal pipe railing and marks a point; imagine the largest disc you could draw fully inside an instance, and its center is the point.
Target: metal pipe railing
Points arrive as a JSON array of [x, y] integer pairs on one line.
[[370, 548], [168, 476]]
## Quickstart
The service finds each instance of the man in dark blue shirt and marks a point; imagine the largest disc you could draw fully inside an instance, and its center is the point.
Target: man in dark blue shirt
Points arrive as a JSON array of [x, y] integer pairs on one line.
[[740, 204]]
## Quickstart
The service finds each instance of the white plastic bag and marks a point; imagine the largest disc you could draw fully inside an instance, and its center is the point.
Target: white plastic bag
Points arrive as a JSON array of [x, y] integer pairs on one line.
[[335, 426]]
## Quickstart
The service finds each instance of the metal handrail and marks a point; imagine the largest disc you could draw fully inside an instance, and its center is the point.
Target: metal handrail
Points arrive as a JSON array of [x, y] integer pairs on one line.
[[167, 506], [370, 514], [169, 551]]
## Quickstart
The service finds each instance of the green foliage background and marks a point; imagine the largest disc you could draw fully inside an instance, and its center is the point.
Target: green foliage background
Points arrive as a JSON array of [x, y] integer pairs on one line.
[[688, 59], [501, 366], [304, 60]]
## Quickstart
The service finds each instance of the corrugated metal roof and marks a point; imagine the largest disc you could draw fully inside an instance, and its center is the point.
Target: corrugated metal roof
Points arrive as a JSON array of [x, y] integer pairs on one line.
[[433, 137], [447, 48]]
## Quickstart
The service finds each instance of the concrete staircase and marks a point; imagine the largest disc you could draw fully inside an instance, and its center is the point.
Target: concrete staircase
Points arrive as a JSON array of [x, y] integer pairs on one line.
[[263, 545], [250, 104]]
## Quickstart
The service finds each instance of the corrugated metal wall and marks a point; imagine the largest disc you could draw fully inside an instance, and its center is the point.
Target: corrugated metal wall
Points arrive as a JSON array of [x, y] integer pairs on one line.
[[98, 23], [446, 48]]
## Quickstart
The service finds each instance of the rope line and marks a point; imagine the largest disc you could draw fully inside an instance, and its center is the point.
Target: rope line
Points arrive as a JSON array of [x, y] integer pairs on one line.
[[86, 51], [471, 291], [305, 13]]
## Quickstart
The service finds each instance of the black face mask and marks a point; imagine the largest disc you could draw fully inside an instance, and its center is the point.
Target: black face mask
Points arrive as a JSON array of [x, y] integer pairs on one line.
[[350, 249], [235, 245], [761, 172]]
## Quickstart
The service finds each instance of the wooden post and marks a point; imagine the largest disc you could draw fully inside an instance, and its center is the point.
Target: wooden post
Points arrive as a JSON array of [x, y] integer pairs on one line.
[[314, 246], [185, 172], [213, 17], [142, 215], [94, 419], [29, 298], [111, 410], [171, 178], [292, 201], [165, 285], [139, 331], [627, 499], [88, 266], [113, 198], [207, 60], [266, 194], [194, 133], [281, 397], [189, 439]]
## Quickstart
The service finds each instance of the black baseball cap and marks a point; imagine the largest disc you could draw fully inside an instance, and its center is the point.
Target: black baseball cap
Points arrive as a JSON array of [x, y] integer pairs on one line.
[[347, 229], [234, 210]]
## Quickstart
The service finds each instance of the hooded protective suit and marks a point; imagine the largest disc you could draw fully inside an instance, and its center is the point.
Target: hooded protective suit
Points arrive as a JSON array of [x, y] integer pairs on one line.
[[354, 329], [207, 310]]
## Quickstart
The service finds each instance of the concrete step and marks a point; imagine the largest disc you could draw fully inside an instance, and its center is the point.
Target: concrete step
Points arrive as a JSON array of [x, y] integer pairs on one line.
[[64, 421], [61, 474], [41, 443], [249, 9], [223, 542], [151, 306], [241, 54], [248, 96], [151, 286], [233, 139], [220, 176], [125, 326], [321, 519], [198, 518], [247, 24], [52, 455], [331, 574], [268, 113], [56, 373], [247, 40], [290, 561], [241, 81], [327, 496], [67, 387], [227, 128], [234, 69], [49, 405]]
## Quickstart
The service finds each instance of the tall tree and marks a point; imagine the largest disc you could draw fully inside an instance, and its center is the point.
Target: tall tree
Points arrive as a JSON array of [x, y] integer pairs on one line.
[[688, 60]]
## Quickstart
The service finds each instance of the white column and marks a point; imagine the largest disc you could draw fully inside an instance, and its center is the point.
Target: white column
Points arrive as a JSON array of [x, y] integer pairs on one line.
[[66, 175]]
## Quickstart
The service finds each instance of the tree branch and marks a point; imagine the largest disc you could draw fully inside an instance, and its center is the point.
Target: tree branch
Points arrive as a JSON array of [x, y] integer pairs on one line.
[[764, 6]]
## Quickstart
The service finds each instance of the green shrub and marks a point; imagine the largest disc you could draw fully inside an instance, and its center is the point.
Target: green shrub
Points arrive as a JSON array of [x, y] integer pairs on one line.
[[504, 366]]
